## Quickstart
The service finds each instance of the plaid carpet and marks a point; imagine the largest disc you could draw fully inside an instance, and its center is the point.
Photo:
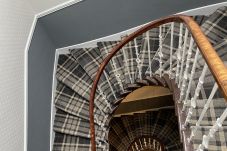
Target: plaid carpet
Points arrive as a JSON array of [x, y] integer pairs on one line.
[[64, 142], [217, 143], [214, 111], [69, 101], [90, 59], [76, 71], [161, 125]]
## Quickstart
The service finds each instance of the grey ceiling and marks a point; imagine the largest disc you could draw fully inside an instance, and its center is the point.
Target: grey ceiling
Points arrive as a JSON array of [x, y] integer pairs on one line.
[[92, 19]]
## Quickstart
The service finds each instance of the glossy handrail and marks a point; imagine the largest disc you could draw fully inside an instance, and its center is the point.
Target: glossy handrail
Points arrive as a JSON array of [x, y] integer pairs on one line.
[[212, 59]]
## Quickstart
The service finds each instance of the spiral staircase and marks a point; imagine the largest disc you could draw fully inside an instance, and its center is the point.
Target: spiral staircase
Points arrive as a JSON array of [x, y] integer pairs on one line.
[[181, 53]]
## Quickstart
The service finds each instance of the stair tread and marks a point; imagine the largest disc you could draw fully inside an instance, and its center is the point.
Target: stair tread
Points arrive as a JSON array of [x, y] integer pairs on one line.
[[118, 127], [116, 142], [160, 80], [151, 80], [90, 60], [143, 124], [214, 111], [132, 86], [64, 142], [74, 76], [72, 125], [142, 82], [69, 101], [168, 82], [217, 143], [128, 122]]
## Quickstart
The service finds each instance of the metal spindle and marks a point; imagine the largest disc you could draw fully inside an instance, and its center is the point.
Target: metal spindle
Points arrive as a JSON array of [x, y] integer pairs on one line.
[[104, 97], [183, 57], [171, 51], [193, 100], [127, 65], [149, 52], [206, 106], [116, 73], [110, 85], [186, 101], [185, 77], [138, 61], [118, 76], [179, 52], [160, 51], [213, 130]]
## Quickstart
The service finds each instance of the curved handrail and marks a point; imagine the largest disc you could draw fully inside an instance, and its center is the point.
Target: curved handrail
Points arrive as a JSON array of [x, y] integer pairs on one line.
[[212, 59]]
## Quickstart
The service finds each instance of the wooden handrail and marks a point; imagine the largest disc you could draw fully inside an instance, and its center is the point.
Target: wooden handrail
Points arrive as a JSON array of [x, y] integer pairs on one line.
[[212, 59]]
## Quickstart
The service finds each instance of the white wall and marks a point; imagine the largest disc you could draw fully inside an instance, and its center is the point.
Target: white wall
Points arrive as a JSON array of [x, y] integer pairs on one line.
[[15, 21], [16, 17], [41, 5]]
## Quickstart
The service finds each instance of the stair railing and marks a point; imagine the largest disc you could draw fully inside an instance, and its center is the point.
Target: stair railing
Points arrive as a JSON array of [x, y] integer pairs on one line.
[[202, 55]]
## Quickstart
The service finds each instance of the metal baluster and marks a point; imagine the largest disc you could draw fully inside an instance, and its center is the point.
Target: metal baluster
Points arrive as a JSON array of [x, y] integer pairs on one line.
[[149, 52], [183, 57], [171, 50], [213, 130], [138, 61], [186, 101], [133, 148], [160, 50], [154, 145], [193, 100], [110, 85], [149, 141], [145, 142], [141, 144], [185, 77], [136, 145], [206, 106], [104, 97], [127, 65], [117, 75], [179, 52]]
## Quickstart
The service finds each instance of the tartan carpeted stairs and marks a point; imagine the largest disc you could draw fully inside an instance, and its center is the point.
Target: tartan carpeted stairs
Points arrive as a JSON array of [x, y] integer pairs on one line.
[[77, 69], [157, 126]]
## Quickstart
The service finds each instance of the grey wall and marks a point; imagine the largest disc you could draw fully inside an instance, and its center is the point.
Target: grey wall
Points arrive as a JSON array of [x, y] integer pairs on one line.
[[82, 22], [92, 19], [40, 58]]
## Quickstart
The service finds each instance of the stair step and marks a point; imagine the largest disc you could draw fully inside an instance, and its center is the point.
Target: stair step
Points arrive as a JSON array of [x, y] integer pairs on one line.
[[90, 60], [160, 80], [118, 127], [214, 111], [128, 122], [69, 101], [71, 125], [168, 82], [125, 93], [63, 142], [132, 86], [116, 142], [74, 76], [151, 80], [217, 143], [142, 82]]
